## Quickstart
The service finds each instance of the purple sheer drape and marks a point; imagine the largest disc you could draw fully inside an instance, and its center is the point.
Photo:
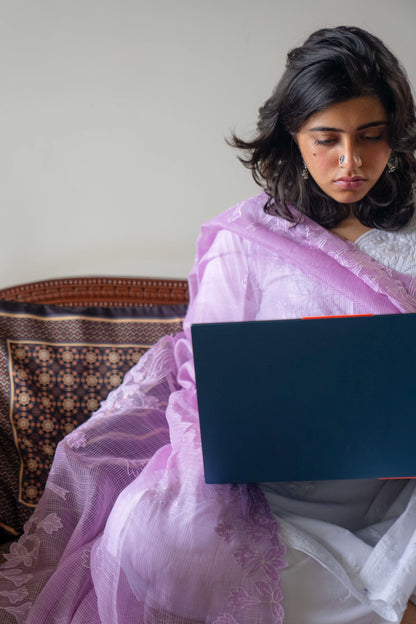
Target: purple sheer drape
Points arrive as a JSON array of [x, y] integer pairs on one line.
[[127, 530]]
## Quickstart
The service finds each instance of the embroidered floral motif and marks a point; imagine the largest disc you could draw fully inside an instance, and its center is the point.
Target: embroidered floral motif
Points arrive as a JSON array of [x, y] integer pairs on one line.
[[15, 595], [154, 367], [60, 491], [21, 612], [16, 577], [259, 553], [240, 598], [51, 523], [77, 439], [23, 554], [269, 592], [18, 555], [267, 562]]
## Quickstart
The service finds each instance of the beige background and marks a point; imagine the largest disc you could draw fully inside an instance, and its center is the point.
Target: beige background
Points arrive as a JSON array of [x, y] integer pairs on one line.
[[113, 115]]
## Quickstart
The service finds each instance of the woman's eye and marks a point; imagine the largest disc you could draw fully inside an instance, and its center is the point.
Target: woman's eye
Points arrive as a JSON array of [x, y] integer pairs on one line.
[[378, 137], [324, 141]]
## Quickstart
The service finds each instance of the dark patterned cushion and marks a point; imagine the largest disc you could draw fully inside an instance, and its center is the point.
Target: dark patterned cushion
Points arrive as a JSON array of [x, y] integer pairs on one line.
[[56, 366]]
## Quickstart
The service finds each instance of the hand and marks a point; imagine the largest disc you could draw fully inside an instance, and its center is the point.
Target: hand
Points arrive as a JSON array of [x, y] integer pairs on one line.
[[409, 616]]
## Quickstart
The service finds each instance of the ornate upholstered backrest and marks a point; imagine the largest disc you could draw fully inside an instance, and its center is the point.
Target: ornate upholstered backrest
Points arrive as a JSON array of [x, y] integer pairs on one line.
[[64, 345]]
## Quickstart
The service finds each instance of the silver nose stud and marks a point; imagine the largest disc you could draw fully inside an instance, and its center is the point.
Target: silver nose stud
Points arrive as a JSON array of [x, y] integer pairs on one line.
[[341, 160]]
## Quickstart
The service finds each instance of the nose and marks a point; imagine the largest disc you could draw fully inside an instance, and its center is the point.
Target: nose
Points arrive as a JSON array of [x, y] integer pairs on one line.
[[350, 156]]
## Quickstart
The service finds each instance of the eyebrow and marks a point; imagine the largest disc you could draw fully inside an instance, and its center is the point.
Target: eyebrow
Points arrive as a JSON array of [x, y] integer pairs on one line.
[[363, 127]]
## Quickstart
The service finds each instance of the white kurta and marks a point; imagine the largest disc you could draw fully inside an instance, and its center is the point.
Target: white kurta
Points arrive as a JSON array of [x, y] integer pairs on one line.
[[351, 545]]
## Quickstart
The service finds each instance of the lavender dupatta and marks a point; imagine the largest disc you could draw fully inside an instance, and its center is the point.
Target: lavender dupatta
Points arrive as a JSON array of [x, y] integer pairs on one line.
[[127, 531]]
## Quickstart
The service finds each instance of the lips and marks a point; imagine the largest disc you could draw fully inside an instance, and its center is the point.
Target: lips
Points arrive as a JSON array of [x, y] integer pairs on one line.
[[350, 183]]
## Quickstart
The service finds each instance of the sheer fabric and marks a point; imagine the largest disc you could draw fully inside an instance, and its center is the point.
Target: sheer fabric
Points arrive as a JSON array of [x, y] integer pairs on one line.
[[127, 530]]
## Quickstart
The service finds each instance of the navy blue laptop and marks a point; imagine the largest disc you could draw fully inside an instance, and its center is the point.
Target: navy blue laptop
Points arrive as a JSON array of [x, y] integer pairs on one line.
[[307, 399]]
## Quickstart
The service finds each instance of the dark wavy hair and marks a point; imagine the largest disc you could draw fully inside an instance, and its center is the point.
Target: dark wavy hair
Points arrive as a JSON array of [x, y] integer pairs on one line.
[[334, 65]]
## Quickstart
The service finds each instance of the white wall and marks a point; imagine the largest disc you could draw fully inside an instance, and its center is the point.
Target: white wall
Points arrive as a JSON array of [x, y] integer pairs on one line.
[[113, 113]]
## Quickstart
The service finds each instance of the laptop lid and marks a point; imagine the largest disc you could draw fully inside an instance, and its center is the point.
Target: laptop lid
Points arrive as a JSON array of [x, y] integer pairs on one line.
[[307, 399]]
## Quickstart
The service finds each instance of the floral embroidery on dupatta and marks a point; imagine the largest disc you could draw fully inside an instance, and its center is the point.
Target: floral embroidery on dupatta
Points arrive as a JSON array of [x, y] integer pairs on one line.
[[259, 553], [22, 555]]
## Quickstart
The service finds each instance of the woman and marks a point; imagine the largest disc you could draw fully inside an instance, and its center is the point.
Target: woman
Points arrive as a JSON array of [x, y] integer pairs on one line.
[[127, 530]]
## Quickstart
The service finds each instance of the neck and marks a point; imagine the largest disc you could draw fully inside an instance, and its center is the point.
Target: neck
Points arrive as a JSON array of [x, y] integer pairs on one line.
[[350, 228]]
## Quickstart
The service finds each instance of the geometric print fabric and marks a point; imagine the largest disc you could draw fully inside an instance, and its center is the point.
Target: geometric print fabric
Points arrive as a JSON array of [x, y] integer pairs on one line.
[[54, 388], [56, 366]]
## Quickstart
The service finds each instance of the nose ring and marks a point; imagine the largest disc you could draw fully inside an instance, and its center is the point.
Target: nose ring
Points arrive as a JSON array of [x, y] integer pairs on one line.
[[341, 160]]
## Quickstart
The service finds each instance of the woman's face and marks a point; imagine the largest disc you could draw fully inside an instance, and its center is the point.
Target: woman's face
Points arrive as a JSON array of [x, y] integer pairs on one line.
[[345, 147]]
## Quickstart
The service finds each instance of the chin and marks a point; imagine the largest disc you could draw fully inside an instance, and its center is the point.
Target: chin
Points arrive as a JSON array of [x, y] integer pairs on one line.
[[348, 198]]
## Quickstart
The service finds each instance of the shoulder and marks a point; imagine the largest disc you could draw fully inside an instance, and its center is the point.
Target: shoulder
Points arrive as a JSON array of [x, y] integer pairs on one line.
[[228, 228], [244, 212], [248, 221], [245, 218]]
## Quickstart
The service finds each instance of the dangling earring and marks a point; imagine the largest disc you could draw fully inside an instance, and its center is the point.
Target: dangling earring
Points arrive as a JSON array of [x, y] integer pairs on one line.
[[392, 163], [305, 172]]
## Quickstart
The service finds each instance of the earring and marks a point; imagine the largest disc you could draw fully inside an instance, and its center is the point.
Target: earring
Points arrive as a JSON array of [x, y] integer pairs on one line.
[[392, 163], [305, 172]]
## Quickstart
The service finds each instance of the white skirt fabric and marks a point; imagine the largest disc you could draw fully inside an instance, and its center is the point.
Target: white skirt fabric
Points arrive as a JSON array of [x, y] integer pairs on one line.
[[351, 548]]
